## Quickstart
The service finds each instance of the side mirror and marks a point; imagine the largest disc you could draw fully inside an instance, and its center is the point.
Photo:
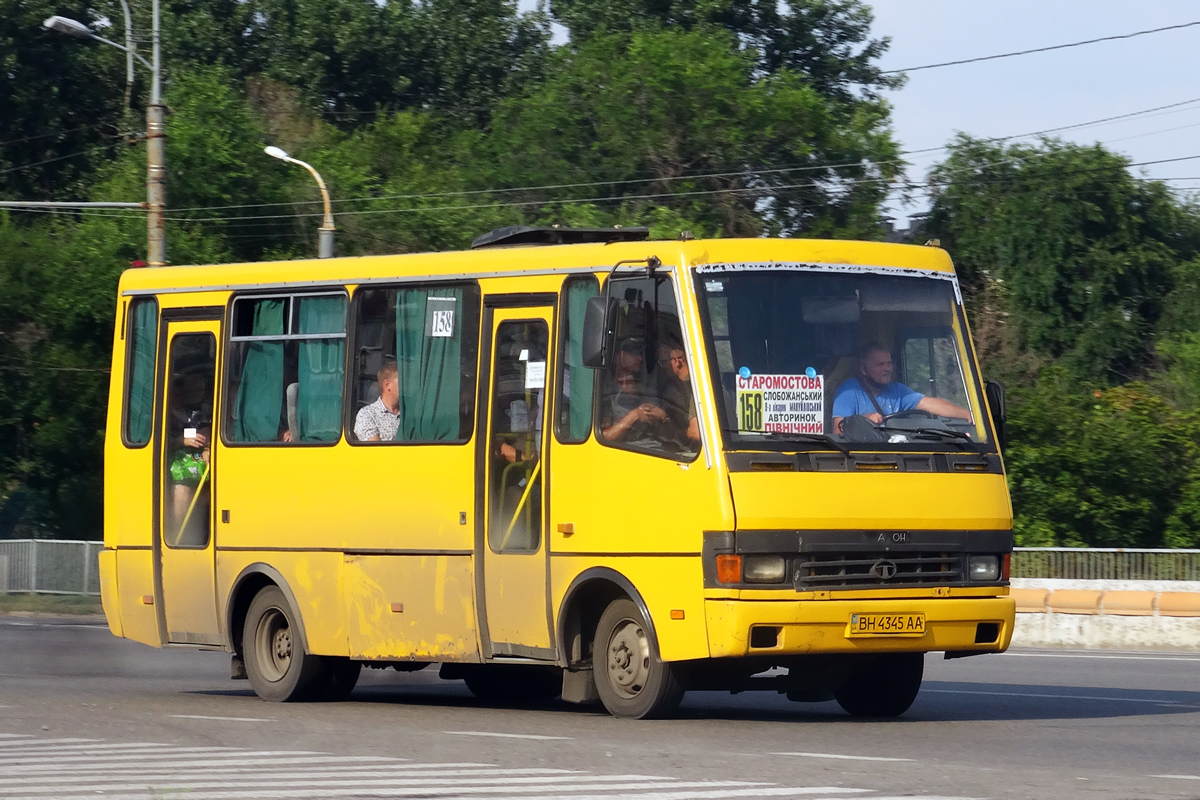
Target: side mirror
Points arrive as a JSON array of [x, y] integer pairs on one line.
[[995, 398], [599, 323]]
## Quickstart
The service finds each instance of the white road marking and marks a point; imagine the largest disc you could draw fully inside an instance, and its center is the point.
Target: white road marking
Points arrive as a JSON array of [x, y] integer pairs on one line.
[[698, 791], [848, 758], [1101, 657], [530, 783], [1061, 696], [175, 778], [215, 773], [258, 758], [223, 719], [1177, 777], [507, 735], [170, 753], [72, 749]]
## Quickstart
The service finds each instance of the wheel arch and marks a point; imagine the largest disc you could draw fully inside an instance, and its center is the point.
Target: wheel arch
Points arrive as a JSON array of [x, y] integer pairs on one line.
[[249, 582], [584, 601]]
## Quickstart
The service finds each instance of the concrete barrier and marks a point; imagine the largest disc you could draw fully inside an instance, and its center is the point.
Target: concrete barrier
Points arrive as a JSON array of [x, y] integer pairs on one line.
[[1030, 601], [1107, 615], [1129, 604], [1075, 601]]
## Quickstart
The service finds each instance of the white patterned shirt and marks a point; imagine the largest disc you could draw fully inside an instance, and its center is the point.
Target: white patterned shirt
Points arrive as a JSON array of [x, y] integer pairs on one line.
[[376, 421]]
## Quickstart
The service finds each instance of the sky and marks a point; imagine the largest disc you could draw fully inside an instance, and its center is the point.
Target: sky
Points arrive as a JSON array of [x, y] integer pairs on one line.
[[1045, 90]]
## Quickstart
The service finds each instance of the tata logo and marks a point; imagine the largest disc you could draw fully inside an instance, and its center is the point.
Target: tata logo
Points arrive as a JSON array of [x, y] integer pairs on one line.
[[884, 570]]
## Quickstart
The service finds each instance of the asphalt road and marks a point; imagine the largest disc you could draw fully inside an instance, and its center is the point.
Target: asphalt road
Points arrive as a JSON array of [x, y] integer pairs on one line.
[[86, 715]]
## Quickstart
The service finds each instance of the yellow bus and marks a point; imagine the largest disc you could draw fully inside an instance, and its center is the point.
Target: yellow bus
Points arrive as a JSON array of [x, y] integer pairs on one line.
[[567, 461]]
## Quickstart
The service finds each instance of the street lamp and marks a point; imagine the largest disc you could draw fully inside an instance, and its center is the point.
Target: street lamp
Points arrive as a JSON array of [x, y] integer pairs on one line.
[[325, 249], [156, 159]]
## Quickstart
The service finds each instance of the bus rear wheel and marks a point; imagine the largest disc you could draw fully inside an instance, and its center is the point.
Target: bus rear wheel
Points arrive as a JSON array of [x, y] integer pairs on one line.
[[631, 679], [278, 665], [883, 685]]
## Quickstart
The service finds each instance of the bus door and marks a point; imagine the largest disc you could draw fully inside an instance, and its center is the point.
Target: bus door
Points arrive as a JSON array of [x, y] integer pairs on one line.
[[512, 584], [186, 432]]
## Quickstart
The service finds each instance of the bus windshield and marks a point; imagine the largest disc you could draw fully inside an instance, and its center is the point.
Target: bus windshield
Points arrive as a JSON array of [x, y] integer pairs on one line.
[[810, 359]]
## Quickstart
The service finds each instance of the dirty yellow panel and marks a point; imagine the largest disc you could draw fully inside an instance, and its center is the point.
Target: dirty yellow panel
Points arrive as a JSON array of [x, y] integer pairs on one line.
[[313, 578], [411, 607], [135, 581], [665, 583]]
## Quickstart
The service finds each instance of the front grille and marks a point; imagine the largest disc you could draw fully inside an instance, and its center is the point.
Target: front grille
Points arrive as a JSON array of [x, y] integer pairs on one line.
[[852, 570]]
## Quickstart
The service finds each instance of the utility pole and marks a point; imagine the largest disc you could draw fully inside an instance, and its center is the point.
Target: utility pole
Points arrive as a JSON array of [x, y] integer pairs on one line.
[[156, 157]]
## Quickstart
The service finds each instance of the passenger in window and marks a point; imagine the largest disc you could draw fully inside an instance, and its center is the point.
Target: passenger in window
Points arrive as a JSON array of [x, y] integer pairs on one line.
[[631, 413], [676, 390], [380, 420], [191, 426], [874, 395]]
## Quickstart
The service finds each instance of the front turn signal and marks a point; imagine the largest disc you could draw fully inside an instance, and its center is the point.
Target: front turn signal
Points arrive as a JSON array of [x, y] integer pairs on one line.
[[729, 568]]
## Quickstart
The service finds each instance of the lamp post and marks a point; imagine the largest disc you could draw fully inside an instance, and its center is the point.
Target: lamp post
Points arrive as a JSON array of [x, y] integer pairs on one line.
[[156, 159], [325, 232]]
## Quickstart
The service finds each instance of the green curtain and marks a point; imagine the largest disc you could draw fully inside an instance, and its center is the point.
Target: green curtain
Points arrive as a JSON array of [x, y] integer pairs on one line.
[[260, 394], [579, 378], [319, 401], [430, 367], [141, 371]]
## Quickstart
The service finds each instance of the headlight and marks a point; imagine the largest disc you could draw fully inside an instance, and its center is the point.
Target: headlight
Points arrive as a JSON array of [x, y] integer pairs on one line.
[[983, 568], [764, 569]]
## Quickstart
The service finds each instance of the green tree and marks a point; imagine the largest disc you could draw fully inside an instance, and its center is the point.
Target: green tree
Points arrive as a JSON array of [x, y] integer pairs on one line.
[[643, 114], [1075, 253]]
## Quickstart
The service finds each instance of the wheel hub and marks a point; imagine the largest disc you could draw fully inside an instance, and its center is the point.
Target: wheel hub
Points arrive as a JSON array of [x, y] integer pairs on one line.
[[628, 659]]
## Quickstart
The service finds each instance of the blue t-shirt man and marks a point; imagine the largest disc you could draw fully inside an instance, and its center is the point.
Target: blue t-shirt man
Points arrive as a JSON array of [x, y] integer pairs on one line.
[[852, 398], [875, 375]]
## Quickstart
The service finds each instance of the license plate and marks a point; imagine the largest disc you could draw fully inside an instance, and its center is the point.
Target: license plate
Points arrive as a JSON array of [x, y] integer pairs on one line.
[[886, 625]]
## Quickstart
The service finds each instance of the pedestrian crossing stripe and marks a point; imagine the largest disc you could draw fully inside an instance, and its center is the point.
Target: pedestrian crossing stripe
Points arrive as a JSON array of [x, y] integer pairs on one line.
[[95, 769]]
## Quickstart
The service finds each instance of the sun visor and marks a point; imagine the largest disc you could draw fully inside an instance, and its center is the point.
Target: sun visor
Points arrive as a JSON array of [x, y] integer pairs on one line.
[[830, 310], [903, 295]]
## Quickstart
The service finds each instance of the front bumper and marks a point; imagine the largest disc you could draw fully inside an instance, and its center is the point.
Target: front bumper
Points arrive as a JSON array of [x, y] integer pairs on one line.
[[820, 626]]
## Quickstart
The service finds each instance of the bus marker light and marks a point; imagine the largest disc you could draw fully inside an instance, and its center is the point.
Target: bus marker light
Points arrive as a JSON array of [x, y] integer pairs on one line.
[[566, 528], [397, 608], [729, 568], [676, 613], [147, 599]]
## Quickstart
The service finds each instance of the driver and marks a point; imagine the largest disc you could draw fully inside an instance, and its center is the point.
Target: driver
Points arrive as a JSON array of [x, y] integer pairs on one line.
[[874, 395]]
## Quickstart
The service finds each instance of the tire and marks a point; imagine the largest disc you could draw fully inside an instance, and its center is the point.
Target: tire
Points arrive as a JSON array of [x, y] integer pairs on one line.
[[631, 679], [278, 665], [341, 676], [884, 685], [508, 684]]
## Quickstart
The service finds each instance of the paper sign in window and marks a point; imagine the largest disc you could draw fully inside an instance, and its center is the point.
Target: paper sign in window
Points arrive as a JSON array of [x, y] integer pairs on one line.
[[781, 404]]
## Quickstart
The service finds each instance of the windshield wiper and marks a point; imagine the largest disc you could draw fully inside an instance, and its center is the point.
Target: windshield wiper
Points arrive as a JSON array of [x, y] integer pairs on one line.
[[817, 438], [946, 435]]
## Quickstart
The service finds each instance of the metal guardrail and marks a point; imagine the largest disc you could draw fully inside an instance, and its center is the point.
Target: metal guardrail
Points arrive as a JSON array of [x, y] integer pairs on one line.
[[1106, 563], [59, 566], [49, 566]]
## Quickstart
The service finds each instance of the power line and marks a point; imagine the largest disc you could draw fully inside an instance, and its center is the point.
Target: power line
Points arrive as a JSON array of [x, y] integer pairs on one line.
[[1040, 49]]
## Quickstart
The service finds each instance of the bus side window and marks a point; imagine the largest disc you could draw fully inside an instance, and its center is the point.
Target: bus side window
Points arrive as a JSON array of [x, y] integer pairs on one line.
[[287, 362], [646, 397], [139, 370], [430, 333], [573, 417]]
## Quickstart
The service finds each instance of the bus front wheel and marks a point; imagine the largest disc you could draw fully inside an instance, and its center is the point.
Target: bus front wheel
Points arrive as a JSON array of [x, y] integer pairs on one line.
[[278, 664], [631, 679], [883, 685]]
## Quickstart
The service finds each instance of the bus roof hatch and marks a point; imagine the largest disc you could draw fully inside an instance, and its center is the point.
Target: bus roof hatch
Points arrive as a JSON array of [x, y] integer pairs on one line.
[[528, 234]]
